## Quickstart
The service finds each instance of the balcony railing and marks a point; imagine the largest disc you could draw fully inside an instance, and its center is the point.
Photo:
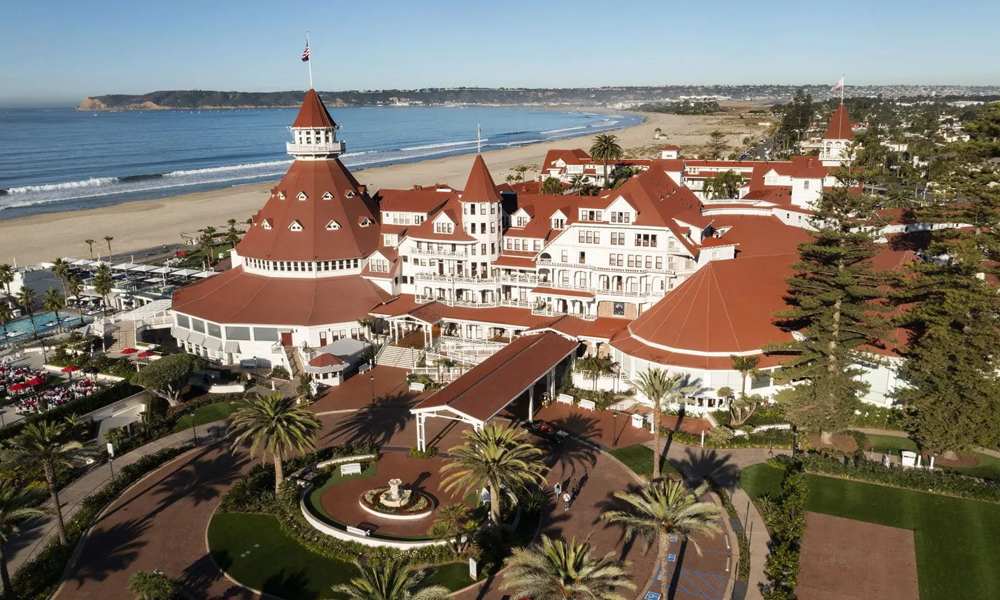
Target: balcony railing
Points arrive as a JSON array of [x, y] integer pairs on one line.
[[319, 148], [511, 302], [547, 312], [426, 251], [528, 279], [454, 278], [637, 270]]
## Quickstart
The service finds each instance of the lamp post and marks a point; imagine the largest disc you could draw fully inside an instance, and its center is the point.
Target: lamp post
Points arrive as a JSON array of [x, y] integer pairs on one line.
[[371, 413], [614, 428], [194, 431]]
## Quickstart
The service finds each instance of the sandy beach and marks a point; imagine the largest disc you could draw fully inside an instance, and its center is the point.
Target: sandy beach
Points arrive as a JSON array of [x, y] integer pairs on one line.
[[141, 225]]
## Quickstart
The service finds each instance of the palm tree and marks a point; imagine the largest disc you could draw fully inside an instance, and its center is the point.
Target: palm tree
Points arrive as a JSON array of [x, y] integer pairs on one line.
[[111, 254], [90, 246], [73, 286], [6, 276], [595, 366], [725, 185], [103, 284], [232, 234], [27, 299], [495, 457], [560, 570], [747, 366], [658, 386], [276, 422], [16, 504], [55, 302], [606, 148], [392, 579], [6, 314], [60, 268], [44, 443], [663, 509], [207, 243], [151, 585]]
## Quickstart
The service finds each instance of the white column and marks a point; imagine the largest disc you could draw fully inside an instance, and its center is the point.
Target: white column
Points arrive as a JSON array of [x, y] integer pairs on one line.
[[531, 402], [421, 433], [552, 384]]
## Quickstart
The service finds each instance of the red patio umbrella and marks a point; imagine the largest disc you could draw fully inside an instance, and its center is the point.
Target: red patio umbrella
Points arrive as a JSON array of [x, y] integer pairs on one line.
[[145, 354], [17, 387], [70, 369], [129, 351], [35, 381]]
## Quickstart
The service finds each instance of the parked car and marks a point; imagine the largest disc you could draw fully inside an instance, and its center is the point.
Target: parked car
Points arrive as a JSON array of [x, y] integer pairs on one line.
[[545, 430]]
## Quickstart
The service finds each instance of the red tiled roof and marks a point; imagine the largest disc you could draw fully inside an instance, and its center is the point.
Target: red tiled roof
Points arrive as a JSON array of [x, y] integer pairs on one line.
[[602, 327], [424, 200], [480, 186], [624, 342], [432, 312], [315, 178], [840, 126], [239, 297], [313, 112], [726, 307], [325, 360], [492, 384], [512, 260], [760, 236]]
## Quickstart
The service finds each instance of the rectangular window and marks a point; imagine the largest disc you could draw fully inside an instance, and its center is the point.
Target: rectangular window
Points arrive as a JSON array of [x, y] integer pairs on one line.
[[649, 262], [265, 334], [761, 381], [565, 256], [597, 237], [583, 258], [183, 321], [583, 237], [631, 261], [659, 262], [198, 325], [483, 246], [482, 209], [538, 245], [646, 240], [214, 330], [238, 333]]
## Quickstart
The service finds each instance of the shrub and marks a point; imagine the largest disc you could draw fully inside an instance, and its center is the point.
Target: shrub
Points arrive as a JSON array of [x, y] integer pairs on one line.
[[878, 417], [280, 372], [936, 481], [252, 493], [430, 452], [786, 522]]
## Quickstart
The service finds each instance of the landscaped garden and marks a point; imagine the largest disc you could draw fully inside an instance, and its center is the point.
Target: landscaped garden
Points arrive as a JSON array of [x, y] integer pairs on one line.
[[206, 414], [639, 459], [954, 538]]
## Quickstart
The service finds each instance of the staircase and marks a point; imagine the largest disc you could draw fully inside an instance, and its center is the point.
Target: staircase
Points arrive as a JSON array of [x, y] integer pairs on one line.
[[293, 362], [124, 337], [401, 358]]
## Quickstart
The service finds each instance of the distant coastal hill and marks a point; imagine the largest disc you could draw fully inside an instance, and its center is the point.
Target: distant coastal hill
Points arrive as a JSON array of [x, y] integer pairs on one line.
[[614, 97]]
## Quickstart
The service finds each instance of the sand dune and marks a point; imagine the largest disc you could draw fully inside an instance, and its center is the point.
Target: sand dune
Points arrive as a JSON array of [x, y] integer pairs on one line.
[[150, 223]]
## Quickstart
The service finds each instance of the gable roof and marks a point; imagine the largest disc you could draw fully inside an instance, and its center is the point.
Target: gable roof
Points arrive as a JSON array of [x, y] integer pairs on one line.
[[480, 186], [313, 113], [839, 127]]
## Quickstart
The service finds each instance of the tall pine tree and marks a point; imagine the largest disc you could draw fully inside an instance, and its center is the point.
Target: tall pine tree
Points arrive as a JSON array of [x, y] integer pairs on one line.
[[836, 303], [953, 392]]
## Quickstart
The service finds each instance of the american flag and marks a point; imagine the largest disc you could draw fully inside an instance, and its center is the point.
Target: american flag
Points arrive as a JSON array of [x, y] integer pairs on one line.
[[838, 86], [305, 53]]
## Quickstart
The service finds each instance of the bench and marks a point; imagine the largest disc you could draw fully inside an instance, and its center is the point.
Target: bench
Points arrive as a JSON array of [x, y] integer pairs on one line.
[[588, 405], [350, 469], [358, 531], [365, 368], [416, 386], [564, 399]]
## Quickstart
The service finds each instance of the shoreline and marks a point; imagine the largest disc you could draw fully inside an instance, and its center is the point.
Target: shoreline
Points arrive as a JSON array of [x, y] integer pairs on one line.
[[140, 225]]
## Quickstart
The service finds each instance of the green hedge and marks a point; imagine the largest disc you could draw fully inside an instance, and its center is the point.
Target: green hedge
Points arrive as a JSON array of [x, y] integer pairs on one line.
[[38, 578], [878, 417], [109, 395], [786, 522], [771, 438], [860, 469]]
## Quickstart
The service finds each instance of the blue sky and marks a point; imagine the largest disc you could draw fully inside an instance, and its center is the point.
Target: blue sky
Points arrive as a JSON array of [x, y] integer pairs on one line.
[[58, 51]]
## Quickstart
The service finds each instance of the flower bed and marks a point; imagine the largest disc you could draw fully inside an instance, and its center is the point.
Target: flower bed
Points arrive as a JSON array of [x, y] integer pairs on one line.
[[419, 503]]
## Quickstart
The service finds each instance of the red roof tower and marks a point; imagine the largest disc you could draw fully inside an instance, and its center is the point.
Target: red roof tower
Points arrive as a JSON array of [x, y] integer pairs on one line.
[[840, 126], [480, 186]]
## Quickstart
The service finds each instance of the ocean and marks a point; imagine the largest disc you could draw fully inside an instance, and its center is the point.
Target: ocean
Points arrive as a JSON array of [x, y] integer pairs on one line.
[[64, 159]]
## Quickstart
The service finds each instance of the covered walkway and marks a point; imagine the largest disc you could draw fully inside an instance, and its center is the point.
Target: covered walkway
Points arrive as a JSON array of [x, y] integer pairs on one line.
[[489, 387]]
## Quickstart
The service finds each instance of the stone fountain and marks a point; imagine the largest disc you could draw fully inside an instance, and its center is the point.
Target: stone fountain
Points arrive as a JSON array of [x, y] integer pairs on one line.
[[395, 497]]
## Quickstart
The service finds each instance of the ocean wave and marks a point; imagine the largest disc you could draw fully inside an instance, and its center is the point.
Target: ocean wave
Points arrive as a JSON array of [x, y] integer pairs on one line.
[[131, 178], [69, 185], [229, 168], [441, 145], [564, 129]]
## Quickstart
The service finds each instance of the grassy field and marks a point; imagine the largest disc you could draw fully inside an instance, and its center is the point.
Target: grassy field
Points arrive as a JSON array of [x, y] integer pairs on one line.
[[313, 500], [889, 444], [639, 458], [954, 538], [205, 414], [255, 552], [988, 468]]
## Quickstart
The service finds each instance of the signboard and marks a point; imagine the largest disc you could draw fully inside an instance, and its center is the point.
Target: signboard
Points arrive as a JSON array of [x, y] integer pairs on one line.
[[111, 450], [473, 569]]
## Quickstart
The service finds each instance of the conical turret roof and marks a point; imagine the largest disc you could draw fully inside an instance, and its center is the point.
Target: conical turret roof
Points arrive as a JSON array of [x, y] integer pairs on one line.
[[480, 186], [313, 113], [840, 126]]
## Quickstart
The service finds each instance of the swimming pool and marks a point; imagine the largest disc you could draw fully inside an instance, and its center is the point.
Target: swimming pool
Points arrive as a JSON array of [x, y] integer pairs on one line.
[[45, 322]]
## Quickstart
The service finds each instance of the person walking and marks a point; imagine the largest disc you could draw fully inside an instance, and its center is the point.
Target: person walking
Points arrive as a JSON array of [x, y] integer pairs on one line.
[[558, 489], [566, 500]]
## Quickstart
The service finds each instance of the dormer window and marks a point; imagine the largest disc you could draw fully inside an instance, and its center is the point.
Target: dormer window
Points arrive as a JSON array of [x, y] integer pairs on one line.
[[350, 194], [267, 223], [295, 226], [301, 196], [621, 217], [442, 227], [332, 226], [365, 221], [328, 196], [558, 223], [522, 221], [281, 195]]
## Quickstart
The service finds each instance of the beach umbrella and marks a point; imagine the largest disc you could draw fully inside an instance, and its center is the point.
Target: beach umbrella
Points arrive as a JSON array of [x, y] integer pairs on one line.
[[17, 387], [145, 354], [129, 351], [35, 381], [70, 369]]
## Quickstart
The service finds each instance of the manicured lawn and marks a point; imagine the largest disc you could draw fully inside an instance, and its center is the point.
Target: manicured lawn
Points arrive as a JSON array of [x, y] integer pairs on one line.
[[955, 539], [255, 552], [888, 444], [639, 458], [313, 499], [206, 414], [988, 468]]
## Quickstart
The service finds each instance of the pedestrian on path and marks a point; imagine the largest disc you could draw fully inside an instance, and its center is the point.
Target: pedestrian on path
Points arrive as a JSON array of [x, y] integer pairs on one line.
[[558, 489], [566, 500]]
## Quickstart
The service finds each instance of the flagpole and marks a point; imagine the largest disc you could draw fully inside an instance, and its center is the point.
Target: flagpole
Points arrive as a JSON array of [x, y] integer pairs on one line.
[[310, 60], [479, 138]]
